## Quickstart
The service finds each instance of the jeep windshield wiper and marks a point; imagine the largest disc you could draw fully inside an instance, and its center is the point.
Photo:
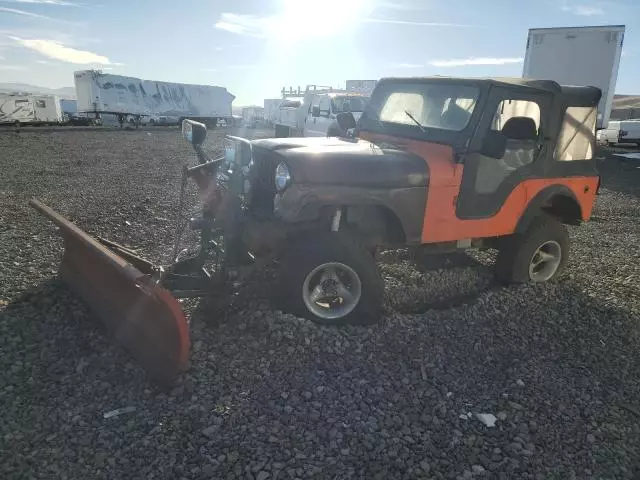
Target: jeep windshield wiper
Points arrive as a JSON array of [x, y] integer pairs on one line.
[[415, 121]]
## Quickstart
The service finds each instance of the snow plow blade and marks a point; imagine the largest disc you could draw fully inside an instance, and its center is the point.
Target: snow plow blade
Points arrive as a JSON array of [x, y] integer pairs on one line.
[[145, 318]]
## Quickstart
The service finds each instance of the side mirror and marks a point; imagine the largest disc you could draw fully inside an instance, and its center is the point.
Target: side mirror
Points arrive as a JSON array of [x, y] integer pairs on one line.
[[194, 132], [494, 144], [346, 121], [315, 111]]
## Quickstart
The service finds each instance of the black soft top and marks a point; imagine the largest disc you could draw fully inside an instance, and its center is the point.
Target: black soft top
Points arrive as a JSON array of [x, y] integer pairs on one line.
[[586, 96]]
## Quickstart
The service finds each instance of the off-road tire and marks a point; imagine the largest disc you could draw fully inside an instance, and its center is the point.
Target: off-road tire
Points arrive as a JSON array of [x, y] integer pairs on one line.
[[517, 250], [310, 252]]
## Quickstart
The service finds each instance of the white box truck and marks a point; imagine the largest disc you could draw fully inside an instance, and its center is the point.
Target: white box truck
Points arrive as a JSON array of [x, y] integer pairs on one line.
[[577, 56], [131, 98], [310, 114], [364, 87], [29, 109], [271, 106]]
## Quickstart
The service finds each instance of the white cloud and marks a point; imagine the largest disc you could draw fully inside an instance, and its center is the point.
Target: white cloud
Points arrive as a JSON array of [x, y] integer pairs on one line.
[[420, 24], [229, 67], [45, 2], [475, 61], [292, 23], [383, 4], [242, 24], [24, 13], [56, 50], [12, 67], [583, 10]]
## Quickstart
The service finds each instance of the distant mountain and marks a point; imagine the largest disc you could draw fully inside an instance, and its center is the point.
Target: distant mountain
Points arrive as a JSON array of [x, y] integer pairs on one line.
[[65, 92]]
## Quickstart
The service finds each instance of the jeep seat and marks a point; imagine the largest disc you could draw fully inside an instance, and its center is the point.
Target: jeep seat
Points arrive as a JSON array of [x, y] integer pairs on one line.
[[520, 128], [522, 134]]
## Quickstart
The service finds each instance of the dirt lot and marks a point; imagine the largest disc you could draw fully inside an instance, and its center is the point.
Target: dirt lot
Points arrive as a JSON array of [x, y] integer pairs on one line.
[[272, 396]]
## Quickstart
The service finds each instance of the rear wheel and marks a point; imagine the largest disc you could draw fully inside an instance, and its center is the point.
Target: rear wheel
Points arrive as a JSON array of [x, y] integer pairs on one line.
[[538, 255], [331, 279]]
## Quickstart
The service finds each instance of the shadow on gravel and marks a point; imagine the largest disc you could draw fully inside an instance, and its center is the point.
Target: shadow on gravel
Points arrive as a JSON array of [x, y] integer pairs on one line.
[[44, 318], [620, 174], [308, 389], [435, 282]]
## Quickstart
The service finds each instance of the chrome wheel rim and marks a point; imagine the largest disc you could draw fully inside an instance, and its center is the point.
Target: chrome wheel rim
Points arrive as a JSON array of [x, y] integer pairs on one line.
[[545, 261], [331, 290]]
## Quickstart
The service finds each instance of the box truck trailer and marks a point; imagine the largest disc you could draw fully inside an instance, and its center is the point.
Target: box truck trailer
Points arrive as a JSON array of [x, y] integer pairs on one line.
[[29, 109], [131, 98], [577, 56], [271, 107]]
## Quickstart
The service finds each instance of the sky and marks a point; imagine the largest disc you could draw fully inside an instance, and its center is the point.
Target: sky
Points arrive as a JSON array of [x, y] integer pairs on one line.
[[255, 47]]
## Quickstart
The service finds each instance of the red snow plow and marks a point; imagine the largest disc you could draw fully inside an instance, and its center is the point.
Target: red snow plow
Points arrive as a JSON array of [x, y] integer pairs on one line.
[[135, 299], [121, 290]]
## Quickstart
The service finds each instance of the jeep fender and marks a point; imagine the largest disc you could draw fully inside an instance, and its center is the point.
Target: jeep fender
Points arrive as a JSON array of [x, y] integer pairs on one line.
[[557, 200], [402, 209]]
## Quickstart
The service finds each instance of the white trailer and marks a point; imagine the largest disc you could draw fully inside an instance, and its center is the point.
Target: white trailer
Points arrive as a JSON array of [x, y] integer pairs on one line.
[[99, 93], [29, 109], [577, 56]]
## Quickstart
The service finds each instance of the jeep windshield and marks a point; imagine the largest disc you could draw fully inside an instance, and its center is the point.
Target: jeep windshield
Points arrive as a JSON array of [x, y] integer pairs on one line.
[[418, 108], [348, 104]]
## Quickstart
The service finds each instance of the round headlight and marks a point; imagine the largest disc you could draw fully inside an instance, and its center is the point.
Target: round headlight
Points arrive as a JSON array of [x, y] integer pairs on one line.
[[283, 177]]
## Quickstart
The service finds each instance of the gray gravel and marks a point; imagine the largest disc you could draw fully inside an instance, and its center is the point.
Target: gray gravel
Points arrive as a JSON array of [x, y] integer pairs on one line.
[[272, 396]]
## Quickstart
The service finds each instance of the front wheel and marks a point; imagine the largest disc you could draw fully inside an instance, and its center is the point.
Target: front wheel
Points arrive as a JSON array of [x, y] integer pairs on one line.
[[538, 255], [331, 279]]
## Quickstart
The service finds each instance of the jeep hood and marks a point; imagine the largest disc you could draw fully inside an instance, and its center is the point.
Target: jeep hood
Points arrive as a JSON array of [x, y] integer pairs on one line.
[[348, 162]]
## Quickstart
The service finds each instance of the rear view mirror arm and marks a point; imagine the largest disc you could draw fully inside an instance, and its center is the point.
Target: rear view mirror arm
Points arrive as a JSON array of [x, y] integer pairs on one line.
[[202, 155], [208, 165]]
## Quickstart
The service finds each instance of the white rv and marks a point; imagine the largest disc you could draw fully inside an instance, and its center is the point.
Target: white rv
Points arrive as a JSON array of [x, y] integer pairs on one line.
[[29, 109]]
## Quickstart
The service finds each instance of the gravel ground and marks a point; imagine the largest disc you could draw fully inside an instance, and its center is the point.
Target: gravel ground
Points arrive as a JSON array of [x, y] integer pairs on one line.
[[272, 396]]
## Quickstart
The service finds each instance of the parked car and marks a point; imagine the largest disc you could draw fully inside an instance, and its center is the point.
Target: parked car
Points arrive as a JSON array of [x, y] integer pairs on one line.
[[629, 132], [609, 135], [79, 120], [163, 120]]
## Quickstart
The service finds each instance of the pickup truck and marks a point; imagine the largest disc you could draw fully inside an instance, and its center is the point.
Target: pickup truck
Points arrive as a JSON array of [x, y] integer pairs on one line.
[[312, 116]]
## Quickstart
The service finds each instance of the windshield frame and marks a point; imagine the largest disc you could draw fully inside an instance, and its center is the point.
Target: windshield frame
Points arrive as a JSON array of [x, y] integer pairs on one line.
[[370, 123]]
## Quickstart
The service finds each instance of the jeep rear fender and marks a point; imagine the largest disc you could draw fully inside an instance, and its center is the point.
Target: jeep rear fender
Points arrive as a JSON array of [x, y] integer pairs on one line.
[[556, 200]]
